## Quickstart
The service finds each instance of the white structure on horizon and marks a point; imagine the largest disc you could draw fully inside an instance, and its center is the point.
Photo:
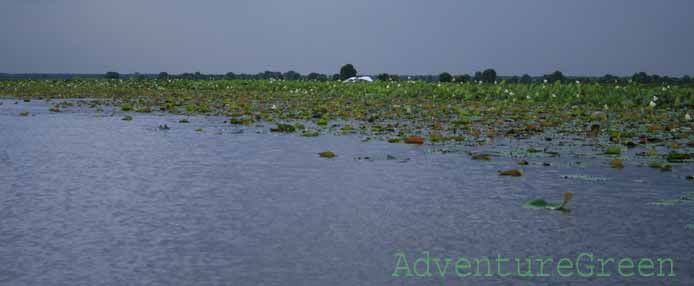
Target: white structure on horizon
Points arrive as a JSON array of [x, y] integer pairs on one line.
[[359, 78]]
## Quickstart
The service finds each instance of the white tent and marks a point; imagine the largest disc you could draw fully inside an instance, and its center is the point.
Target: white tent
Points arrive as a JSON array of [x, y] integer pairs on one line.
[[359, 78]]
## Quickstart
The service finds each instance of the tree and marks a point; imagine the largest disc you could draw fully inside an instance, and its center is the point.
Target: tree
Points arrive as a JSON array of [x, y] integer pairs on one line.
[[347, 71], [489, 76], [112, 75], [445, 77], [463, 78], [383, 77], [478, 76], [526, 79], [230, 75], [686, 79], [641, 77], [292, 75], [555, 76], [608, 78], [163, 75], [317, 76]]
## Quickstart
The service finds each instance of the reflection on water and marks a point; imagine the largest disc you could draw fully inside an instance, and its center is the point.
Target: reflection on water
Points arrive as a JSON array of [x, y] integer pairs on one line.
[[94, 200]]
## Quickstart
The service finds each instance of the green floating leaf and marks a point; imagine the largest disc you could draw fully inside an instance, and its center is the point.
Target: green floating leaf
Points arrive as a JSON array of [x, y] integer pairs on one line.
[[542, 204], [283, 128]]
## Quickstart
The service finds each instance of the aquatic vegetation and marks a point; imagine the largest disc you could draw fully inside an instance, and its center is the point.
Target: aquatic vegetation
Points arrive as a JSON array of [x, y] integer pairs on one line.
[[54, 109], [310, 134], [617, 164], [283, 128], [674, 157], [511, 173], [184, 120], [127, 118], [613, 150], [24, 113], [481, 156], [660, 166], [468, 114], [164, 127], [327, 154], [414, 140], [542, 204]]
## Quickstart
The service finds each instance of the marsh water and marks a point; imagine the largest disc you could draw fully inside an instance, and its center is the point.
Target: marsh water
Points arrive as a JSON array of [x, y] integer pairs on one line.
[[89, 199]]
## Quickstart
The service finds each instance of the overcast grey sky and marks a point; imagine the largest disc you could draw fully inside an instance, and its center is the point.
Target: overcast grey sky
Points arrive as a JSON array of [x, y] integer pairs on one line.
[[581, 37]]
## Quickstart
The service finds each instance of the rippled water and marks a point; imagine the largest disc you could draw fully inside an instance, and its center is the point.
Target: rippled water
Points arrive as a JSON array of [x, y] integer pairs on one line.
[[89, 199]]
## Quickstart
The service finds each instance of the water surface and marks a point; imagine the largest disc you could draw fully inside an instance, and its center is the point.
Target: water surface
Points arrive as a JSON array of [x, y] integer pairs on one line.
[[89, 199]]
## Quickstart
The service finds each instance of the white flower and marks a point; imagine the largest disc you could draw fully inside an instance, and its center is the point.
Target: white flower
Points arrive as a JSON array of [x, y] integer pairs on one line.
[[578, 82], [273, 107], [652, 104], [554, 95], [511, 93], [606, 108], [663, 89], [527, 96], [655, 98], [687, 117], [545, 81]]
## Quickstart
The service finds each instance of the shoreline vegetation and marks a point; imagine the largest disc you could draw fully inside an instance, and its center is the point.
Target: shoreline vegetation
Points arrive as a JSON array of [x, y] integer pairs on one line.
[[652, 121]]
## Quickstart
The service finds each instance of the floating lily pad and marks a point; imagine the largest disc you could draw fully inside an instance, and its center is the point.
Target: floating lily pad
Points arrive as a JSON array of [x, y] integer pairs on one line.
[[660, 166], [511, 173], [613, 150], [481, 157], [617, 164], [310, 134], [542, 204], [675, 157], [327, 154], [283, 128], [414, 140]]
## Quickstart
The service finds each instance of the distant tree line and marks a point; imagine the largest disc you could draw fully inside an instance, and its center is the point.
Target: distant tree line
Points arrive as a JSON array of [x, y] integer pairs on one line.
[[484, 76], [348, 70]]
